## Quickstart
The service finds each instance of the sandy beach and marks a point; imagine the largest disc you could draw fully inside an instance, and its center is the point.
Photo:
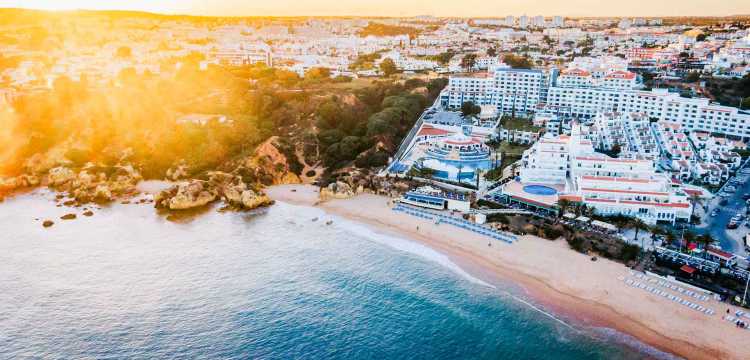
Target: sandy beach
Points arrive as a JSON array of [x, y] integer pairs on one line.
[[569, 283]]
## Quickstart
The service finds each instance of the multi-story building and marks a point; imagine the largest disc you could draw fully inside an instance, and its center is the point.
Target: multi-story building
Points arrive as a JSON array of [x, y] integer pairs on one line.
[[611, 186], [630, 132], [511, 91], [692, 113], [558, 21]]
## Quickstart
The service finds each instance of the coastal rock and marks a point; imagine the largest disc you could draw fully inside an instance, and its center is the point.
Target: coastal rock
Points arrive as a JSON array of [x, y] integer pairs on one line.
[[186, 195], [83, 180], [252, 200], [18, 182], [102, 193], [337, 190], [236, 193], [68, 217], [41, 163], [88, 213], [60, 176], [180, 171], [48, 223]]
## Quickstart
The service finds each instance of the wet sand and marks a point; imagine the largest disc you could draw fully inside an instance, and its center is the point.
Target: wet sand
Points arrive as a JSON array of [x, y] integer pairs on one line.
[[562, 280]]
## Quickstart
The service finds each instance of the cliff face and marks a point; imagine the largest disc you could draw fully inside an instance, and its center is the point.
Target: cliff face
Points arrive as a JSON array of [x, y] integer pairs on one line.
[[273, 166]]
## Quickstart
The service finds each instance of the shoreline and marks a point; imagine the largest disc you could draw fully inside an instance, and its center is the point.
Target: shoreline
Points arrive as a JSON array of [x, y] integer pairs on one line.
[[562, 280]]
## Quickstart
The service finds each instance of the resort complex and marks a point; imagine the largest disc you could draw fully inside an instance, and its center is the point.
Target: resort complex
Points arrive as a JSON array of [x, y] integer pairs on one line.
[[337, 183], [573, 171]]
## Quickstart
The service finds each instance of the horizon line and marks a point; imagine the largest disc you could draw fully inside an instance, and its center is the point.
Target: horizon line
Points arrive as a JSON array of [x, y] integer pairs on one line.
[[158, 13]]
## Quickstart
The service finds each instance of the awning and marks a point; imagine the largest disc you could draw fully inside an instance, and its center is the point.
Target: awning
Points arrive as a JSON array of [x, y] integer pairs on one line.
[[688, 269], [604, 225], [583, 219], [569, 216]]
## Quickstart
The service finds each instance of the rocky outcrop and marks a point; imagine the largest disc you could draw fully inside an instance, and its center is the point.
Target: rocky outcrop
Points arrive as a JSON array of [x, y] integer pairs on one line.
[[251, 200], [336, 190], [178, 172], [11, 184], [95, 183], [186, 195], [231, 188], [60, 176]]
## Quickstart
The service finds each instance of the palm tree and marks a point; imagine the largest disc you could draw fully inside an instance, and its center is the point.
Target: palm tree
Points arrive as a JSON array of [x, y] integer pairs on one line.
[[513, 168], [587, 210], [671, 237], [695, 199], [705, 240], [638, 225], [564, 205]]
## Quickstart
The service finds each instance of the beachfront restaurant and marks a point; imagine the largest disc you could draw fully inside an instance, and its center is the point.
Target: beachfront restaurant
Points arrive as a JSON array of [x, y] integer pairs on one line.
[[432, 198]]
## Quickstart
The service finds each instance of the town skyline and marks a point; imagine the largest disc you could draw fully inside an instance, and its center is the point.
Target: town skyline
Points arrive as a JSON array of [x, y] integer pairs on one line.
[[392, 8]]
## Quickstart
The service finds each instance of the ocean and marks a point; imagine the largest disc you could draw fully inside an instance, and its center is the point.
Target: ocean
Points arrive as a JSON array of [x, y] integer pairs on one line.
[[270, 284]]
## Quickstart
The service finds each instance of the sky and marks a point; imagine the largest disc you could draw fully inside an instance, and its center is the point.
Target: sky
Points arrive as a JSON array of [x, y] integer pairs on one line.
[[458, 8]]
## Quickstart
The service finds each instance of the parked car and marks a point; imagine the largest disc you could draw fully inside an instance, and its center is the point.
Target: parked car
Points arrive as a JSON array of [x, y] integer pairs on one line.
[[723, 202], [746, 196], [732, 225], [715, 212]]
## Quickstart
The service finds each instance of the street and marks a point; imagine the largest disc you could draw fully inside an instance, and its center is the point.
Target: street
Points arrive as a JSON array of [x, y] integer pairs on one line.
[[731, 240]]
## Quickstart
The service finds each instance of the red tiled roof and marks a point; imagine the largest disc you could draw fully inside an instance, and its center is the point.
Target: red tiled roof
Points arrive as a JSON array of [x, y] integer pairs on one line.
[[576, 72], [606, 159], [621, 75], [571, 197], [678, 205], [428, 130], [617, 179], [625, 191]]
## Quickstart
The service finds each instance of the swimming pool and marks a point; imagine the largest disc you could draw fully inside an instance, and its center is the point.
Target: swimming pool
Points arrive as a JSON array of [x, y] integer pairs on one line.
[[539, 190]]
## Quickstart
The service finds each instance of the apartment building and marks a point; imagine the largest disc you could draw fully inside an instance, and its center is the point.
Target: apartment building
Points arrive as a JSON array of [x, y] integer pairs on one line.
[[511, 91], [694, 114], [611, 186]]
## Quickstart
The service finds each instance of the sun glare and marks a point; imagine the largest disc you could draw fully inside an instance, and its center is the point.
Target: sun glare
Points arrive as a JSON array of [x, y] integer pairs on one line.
[[57, 5]]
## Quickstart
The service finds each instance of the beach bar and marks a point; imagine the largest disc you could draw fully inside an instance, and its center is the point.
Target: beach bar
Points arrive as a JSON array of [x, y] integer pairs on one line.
[[432, 198]]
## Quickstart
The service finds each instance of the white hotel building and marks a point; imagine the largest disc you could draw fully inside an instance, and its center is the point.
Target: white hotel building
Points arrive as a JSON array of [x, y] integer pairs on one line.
[[578, 94], [611, 186], [516, 91]]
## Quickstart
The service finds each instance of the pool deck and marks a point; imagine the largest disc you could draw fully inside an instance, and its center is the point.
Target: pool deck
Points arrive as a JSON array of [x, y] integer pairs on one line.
[[515, 190]]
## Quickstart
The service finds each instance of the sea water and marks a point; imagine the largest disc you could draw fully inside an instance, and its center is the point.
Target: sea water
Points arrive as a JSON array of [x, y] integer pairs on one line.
[[270, 284]]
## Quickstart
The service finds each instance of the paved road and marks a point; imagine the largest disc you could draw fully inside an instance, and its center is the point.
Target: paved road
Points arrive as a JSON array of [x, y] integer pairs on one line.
[[717, 226]]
